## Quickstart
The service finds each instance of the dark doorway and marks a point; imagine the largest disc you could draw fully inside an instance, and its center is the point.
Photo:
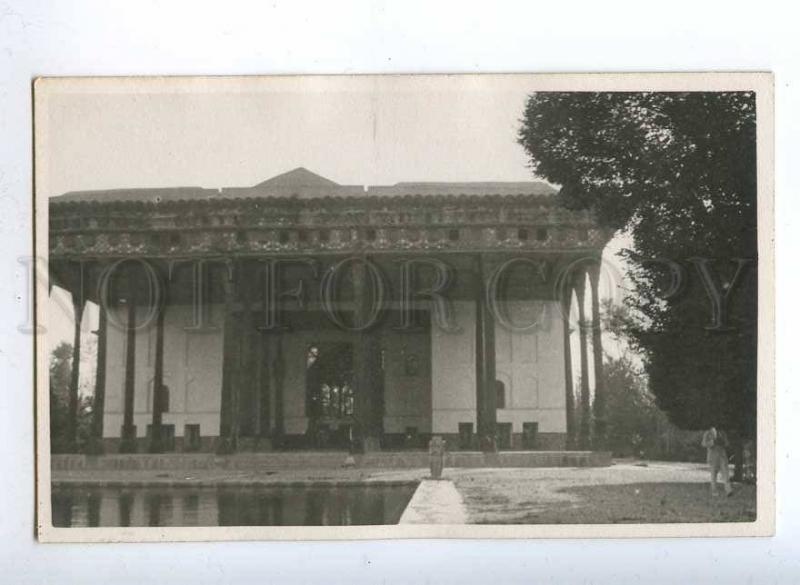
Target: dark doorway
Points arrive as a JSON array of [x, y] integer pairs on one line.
[[330, 398]]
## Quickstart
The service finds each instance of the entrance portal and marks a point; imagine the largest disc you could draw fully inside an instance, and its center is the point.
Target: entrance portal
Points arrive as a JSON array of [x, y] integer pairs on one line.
[[330, 399]]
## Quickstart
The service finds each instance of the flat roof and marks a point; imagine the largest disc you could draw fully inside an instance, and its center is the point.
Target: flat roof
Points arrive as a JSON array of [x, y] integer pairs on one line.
[[303, 184]]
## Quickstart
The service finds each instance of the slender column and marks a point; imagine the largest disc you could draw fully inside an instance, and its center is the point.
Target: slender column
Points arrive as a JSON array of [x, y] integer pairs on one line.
[[128, 441], [279, 371], [245, 392], [258, 382], [584, 437], [226, 415], [156, 436], [98, 406], [72, 423], [366, 364], [485, 375], [597, 354], [263, 390], [236, 354], [569, 390]]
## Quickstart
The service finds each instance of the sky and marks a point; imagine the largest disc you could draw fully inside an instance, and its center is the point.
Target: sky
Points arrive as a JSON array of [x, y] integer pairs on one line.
[[359, 133], [355, 131]]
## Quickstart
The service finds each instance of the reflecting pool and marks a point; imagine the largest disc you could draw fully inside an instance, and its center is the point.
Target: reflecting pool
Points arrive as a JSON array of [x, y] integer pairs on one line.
[[316, 505]]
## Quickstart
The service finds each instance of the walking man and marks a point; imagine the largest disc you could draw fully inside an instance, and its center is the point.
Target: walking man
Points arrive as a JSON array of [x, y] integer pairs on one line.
[[716, 444]]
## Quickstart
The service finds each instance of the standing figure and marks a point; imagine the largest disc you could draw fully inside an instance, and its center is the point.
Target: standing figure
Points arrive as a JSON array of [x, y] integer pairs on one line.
[[716, 444], [436, 449]]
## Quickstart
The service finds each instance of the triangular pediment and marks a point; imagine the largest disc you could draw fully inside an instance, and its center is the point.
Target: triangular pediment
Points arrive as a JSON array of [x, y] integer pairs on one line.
[[299, 177]]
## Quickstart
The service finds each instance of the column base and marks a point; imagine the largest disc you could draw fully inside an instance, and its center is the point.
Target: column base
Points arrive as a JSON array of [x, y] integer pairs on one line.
[[156, 444], [488, 443], [95, 446], [372, 444], [127, 442], [263, 444], [225, 446]]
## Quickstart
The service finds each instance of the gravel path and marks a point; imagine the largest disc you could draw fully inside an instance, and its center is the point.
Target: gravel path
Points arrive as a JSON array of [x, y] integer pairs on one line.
[[653, 492]]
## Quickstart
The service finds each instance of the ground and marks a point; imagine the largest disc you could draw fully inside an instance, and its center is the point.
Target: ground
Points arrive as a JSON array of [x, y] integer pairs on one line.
[[622, 493], [626, 492]]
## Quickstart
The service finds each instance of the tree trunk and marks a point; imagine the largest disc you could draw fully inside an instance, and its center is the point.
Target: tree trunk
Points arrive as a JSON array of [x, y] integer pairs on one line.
[[737, 446]]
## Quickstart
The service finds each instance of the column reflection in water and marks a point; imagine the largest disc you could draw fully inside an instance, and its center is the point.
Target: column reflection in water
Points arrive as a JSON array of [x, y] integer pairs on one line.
[[93, 504], [190, 509], [267, 506], [125, 508], [158, 506], [61, 505]]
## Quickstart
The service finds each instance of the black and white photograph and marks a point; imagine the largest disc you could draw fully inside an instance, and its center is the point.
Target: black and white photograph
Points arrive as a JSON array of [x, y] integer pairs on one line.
[[399, 306]]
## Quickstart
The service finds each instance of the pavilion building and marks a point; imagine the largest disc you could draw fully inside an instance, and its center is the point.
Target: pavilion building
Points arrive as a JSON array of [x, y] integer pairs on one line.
[[425, 309]]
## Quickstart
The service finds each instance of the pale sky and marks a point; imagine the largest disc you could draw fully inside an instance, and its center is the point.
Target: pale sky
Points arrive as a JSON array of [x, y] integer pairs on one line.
[[365, 134], [351, 130]]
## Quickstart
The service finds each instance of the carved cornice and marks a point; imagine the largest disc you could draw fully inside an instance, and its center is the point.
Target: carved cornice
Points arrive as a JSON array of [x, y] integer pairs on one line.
[[309, 226]]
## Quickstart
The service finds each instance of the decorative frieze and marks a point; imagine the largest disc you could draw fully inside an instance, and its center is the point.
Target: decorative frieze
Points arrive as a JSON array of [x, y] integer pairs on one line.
[[322, 225]]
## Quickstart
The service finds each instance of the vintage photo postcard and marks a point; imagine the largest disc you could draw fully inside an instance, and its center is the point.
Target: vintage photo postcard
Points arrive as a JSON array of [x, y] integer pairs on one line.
[[346, 307]]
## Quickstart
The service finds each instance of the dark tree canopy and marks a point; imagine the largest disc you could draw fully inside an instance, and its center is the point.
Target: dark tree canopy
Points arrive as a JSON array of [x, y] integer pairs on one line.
[[678, 172], [60, 373]]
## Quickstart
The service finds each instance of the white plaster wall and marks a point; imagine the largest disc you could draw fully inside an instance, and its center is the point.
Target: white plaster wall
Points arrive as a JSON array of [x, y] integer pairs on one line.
[[192, 371], [453, 371], [115, 374], [531, 365]]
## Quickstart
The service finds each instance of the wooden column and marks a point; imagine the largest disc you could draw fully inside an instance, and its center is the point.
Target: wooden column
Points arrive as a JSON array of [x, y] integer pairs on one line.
[[485, 375], [258, 381], [366, 364], [246, 391], [263, 387], [597, 355], [237, 377], [98, 406], [279, 371], [226, 415], [569, 390], [72, 422], [128, 440], [156, 434], [584, 437]]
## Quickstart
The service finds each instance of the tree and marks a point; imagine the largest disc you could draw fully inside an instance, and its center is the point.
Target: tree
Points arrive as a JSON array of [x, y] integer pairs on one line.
[[678, 172], [60, 374], [631, 414], [636, 425]]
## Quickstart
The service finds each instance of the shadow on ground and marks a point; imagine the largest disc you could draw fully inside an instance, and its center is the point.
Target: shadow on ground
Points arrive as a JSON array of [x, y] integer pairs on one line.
[[630, 503]]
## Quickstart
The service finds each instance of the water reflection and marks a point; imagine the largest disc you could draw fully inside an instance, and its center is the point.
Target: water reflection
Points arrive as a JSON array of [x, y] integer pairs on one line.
[[264, 506]]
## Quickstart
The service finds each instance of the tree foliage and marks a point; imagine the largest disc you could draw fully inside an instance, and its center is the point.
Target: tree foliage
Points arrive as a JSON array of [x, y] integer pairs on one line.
[[60, 374], [678, 172], [632, 416]]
